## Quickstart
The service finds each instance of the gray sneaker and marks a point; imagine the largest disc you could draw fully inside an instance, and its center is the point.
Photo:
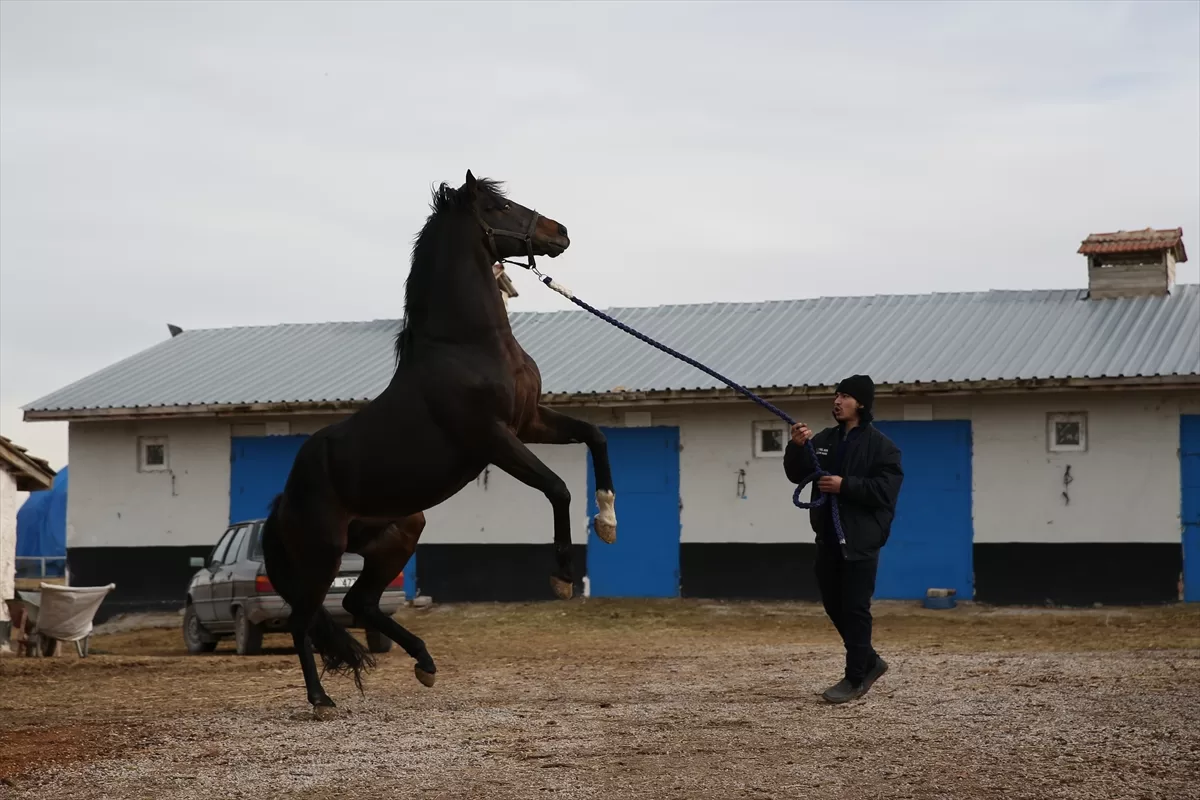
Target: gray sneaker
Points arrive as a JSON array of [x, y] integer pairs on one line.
[[843, 692], [875, 674]]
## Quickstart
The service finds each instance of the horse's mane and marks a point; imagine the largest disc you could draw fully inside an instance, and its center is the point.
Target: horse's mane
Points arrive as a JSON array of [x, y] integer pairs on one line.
[[445, 200]]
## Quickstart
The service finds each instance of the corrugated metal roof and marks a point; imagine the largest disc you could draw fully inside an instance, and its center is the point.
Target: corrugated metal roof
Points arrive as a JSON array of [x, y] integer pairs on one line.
[[900, 339]]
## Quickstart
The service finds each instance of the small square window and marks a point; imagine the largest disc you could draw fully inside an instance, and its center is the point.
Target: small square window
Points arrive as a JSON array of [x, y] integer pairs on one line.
[[770, 439], [1067, 432], [152, 453]]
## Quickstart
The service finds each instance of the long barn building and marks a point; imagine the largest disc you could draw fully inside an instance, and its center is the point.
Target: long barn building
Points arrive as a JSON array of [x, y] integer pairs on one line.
[[1051, 443]]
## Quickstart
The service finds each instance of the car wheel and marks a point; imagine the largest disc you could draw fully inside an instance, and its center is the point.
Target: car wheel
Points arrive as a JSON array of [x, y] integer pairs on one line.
[[195, 637], [377, 642], [246, 635]]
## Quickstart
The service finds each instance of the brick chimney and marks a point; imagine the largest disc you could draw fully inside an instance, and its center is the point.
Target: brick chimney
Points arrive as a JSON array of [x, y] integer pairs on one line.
[[1133, 263]]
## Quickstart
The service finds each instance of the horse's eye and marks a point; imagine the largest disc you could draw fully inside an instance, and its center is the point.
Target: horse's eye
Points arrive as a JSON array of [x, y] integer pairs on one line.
[[507, 206]]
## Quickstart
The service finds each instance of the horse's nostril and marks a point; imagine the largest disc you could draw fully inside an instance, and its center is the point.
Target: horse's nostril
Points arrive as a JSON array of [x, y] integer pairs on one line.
[[562, 230]]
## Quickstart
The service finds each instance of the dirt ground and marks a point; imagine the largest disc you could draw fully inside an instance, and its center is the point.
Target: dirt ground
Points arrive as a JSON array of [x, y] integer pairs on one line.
[[598, 699]]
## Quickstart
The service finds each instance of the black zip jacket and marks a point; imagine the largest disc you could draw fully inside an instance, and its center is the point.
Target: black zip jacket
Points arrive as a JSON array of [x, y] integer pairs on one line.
[[871, 477]]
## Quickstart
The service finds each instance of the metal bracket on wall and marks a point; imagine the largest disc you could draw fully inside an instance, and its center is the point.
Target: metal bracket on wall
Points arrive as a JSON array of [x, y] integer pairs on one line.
[[1067, 480], [741, 484]]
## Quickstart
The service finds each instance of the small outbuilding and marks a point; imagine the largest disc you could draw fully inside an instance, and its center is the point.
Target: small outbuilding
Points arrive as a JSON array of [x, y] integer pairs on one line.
[[19, 472]]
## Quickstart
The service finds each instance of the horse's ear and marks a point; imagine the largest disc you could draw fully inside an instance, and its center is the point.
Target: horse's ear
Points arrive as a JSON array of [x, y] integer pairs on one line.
[[471, 185]]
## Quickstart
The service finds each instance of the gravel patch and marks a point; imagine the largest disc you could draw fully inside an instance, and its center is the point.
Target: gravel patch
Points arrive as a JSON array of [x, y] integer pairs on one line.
[[660, 700]]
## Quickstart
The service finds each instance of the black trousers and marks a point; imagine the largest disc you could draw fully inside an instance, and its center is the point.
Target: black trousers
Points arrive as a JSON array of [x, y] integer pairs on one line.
[[846, 589]]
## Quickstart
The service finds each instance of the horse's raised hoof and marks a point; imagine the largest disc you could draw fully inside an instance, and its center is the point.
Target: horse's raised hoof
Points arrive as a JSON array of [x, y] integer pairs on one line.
[[563, 589], [606, 517], [426, 678]]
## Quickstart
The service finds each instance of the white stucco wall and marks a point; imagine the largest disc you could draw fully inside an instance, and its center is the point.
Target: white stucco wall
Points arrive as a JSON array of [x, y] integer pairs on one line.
[[1126, 485], [8, 541], [718, 441], [112, 504], [504, 511], [509, 512]]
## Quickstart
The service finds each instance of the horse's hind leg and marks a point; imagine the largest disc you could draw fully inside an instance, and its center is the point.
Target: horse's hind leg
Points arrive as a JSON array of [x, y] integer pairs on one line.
[[551, 427], [384, 557], [301, 619], [312, 560], [511, 455]]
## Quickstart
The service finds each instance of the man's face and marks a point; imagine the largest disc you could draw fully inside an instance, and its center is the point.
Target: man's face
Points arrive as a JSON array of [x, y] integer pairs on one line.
[[845, 408]]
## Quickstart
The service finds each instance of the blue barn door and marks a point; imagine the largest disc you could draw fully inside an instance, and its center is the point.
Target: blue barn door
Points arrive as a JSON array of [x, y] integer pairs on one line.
[[933, 534], [1189, 479], [644, 561], [259, 467]]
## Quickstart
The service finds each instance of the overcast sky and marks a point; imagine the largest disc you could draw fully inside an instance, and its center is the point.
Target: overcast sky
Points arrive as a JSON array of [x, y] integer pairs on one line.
[[231, 164]]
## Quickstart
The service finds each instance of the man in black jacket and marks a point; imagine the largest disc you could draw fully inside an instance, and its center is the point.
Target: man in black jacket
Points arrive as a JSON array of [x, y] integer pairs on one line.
[[864, 481]]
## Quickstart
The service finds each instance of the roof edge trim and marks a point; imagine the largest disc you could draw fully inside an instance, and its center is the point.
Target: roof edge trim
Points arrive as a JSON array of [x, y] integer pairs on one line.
[[947, 388]]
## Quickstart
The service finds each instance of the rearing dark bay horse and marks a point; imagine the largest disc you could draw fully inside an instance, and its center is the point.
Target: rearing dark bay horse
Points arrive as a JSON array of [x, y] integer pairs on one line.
[[464, 395]]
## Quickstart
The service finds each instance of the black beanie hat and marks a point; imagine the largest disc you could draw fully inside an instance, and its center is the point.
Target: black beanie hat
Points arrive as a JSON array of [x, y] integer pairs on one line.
[[862, 389]]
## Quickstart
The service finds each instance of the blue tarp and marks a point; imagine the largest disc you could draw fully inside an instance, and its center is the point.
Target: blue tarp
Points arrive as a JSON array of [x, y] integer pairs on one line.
[[42, 521]]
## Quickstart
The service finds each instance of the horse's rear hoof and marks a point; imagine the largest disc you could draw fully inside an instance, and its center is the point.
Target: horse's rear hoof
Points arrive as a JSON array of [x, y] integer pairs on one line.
[[324, 713], [563, 589], [426, 678]]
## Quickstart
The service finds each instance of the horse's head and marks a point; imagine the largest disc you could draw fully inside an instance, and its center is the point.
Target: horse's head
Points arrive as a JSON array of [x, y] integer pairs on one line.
[[509, 228]]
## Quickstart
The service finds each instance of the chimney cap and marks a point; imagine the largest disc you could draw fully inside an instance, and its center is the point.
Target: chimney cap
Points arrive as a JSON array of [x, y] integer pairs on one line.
[[1148, 239]]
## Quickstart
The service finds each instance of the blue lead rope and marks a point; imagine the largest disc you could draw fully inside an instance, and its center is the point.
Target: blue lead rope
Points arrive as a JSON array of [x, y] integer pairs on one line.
[[821, 496]]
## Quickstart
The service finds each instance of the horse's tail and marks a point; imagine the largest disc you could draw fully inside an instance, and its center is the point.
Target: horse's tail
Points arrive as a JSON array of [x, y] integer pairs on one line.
[[340, 651], [275, 557]]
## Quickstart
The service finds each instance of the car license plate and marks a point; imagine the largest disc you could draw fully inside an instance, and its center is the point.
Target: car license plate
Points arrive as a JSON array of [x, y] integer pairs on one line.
[[344, 581]]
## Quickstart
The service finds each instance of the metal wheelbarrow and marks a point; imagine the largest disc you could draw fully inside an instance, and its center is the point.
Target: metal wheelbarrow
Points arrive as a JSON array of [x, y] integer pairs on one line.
[[63, 614]]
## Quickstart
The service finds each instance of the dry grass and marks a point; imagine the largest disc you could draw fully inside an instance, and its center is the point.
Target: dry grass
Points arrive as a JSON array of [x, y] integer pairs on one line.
[[623, 700]]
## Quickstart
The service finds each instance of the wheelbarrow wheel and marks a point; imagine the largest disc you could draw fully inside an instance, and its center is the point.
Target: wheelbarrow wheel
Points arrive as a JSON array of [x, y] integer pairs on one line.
[[47, 646]]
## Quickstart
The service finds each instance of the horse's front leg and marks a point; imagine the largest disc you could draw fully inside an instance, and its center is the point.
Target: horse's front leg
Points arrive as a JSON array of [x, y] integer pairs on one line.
[[511, 455], [551, 427]]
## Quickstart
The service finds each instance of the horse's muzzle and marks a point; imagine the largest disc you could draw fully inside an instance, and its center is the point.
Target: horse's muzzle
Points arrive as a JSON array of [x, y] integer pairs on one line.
[[557, 246]]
